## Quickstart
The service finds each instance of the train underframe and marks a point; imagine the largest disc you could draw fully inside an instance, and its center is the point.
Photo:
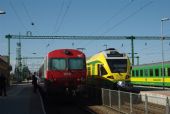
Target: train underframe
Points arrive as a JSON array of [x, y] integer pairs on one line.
[[52, 88]]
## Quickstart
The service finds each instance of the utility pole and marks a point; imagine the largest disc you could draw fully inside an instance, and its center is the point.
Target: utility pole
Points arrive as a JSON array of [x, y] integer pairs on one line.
[[137, 60], [132, 48]]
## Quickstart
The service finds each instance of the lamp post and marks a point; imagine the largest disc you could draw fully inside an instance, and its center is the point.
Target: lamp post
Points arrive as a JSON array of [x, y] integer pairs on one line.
[[162, 38], [2, 12]]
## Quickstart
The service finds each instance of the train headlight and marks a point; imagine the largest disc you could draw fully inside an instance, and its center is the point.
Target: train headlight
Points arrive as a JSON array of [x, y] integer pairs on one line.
[[121, 84]]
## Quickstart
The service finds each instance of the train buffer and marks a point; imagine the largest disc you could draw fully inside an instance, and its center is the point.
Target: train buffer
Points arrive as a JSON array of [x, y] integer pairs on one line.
[[21, 99]]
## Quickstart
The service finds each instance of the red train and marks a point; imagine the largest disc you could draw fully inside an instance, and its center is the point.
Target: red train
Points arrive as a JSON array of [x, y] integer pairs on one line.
[[63, 69]]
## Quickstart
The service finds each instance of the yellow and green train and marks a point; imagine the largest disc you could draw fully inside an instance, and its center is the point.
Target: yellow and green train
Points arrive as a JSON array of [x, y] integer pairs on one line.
[[151, 74], [109, 69]]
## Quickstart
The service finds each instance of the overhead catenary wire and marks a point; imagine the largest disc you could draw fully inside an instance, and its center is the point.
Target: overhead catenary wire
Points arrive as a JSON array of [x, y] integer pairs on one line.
[[121, 10], [128, 17], [27, 13], [18, 17], [63, 17], [58, 16], [57, 20]]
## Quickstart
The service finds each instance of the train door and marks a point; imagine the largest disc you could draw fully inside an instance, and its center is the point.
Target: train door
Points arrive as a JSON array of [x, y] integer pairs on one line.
[[101, 70]]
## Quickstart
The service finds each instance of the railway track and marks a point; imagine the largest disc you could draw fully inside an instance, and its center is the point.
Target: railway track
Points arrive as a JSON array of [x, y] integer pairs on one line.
[[63, 104]]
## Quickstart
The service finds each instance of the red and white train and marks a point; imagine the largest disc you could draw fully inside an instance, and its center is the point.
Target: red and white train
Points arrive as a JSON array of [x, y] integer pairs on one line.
[[63, 69]]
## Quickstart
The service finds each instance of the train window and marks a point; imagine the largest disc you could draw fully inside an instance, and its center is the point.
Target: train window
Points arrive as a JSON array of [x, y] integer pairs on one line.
[[151, 72], [117, 65], [137, 73], [76, 63], [145, 72], [156, 72], [133, 73], [168, 71], [141, 73], [57, 64]]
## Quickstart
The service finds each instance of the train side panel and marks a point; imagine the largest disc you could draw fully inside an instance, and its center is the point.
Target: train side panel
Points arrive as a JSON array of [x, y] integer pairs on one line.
[[151, 74]]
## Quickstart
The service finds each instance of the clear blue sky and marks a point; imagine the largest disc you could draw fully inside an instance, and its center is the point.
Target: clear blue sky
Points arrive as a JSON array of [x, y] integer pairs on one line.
[[86, 17]]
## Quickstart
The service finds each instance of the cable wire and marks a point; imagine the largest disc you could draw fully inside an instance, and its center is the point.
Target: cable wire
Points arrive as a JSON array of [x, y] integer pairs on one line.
[[115, 15], [58, 16], [63, 17], [130, 16], [18, 17], [27, 13]]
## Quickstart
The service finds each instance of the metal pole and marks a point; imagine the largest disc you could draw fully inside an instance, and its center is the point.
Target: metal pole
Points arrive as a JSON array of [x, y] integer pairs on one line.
[[162, 38], [167, 106], [132, 50], [162, 54], [131, 107], [137, 60], [146, 104], [119, 100], [102, 96], [110, 100], [8, 50]]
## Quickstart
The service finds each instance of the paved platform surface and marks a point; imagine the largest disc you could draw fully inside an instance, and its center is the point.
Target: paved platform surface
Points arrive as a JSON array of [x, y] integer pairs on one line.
[[156, 95], [21, 99], [158, 91]]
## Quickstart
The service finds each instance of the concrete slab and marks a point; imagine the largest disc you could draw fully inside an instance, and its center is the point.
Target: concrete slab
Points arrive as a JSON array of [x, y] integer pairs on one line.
[[21, 99]]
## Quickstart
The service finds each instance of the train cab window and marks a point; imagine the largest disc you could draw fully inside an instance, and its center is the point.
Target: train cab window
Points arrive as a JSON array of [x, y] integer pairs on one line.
[[151, 72], [57, 64], [76, 63], [168, 71], [156, 72], [117, 65], [141, 73]]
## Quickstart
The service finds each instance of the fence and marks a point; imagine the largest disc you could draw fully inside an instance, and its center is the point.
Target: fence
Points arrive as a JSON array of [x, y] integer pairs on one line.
[[131, 103]]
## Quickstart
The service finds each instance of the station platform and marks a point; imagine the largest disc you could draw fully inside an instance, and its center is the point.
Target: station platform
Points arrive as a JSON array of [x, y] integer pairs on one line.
[[156, 95], [21, 99]]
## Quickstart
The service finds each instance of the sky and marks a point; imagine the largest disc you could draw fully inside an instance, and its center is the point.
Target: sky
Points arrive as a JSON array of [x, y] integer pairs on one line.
[[85, 18]]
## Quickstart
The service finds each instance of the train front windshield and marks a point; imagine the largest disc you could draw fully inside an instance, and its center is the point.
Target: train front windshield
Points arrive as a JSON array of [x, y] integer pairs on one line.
[[117, 65], [76, 63], [63, 64]]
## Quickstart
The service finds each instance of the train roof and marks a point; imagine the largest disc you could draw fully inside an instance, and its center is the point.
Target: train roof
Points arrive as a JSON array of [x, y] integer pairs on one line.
[[110, 53], [66, 53], [151, 64]]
